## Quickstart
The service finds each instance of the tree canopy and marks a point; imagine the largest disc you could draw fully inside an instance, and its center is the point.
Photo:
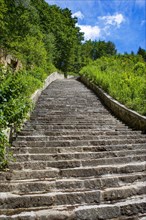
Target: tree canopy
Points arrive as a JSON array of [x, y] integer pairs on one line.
[[92, 50], [38, 33]]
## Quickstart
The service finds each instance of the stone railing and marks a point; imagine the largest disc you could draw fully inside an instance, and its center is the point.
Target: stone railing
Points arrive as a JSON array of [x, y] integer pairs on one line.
[[129, 117]]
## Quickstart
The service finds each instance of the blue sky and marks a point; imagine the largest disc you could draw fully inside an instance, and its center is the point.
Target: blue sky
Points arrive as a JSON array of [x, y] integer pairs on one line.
[[121, 21]]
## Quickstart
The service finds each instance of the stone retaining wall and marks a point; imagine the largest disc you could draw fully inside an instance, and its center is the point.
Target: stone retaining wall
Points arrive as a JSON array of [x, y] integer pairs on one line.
[[130, 117]]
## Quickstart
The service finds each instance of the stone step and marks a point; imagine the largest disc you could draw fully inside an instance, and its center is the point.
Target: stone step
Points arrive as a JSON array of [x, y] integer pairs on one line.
[[75, 112], [74, 109], [90, 171], [74, 122], [38, 162], [73, 132], [80, 127], [9, 200], [123, 192], [94, 171], [72, 118], [41, 148], [79, 137], [12, 201], [75, 143], [59, 122], [78, 155], [71, 184], [131, 209], [50, 129], [29, 174]]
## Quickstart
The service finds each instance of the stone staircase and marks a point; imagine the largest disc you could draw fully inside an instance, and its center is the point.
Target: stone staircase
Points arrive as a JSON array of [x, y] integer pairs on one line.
[[74, 161]]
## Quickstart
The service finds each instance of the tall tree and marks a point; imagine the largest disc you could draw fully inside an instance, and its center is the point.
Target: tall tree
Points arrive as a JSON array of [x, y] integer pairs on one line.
[[67, 37], [92, 50], [142, 52]]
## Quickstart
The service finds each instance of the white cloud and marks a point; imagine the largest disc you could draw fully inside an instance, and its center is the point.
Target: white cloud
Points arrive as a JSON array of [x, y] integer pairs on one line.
[[103, 28], [90, 32], [112, 20], [78, 14]]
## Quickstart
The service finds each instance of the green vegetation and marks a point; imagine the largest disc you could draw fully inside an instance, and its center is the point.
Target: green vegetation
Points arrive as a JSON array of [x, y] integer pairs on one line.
[[123, 77], [15, 91], [93, 50]]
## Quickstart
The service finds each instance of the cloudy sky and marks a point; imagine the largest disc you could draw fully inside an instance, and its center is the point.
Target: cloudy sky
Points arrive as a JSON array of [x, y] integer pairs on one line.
[[120, 21]]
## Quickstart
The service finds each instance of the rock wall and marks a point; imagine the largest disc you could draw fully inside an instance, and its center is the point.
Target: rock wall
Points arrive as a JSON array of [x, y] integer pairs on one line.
[[9, 61]]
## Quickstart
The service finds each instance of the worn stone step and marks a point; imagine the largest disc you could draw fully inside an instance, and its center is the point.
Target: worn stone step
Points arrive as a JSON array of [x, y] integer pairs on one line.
[[75, 143], [41, 148], [78, 126], [90, 107], [51, 116], [71, 184], [35, 214], [123, 192], [103, 170], [131, 209], [90, 171], [12, 201], [29, 174], [9, 200], [79, 137], [76, 122], [73, 117], [49, 129], [72, 163], [73, 132], [28, 161], [67, 106], [78, 155], [120, 211]]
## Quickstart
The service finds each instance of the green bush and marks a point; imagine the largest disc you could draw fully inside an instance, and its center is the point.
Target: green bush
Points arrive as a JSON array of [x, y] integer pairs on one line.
[[16, 89], [123, 77], [3, 153]]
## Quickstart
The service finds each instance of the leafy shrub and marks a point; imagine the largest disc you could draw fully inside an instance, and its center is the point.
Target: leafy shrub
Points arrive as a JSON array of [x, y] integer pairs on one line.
[[3, 145], [15, 91], [123, 77]]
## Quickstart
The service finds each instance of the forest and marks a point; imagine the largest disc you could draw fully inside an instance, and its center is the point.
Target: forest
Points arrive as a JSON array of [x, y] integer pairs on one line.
[[45, 38]]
